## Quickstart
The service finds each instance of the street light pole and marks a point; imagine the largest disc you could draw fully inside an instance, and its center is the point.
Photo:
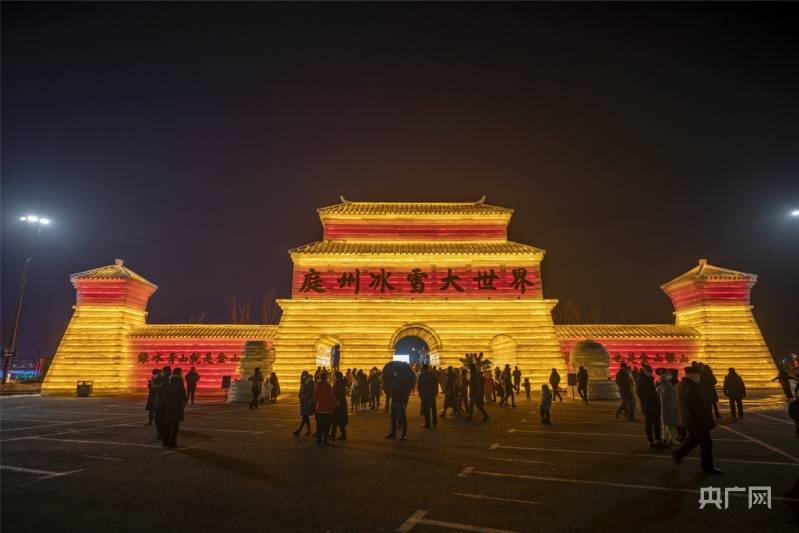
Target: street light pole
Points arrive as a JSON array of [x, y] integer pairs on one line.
[[11, 350]]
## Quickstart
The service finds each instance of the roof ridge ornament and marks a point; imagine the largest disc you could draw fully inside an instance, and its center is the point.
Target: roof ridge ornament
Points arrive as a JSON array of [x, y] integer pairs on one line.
[[481, 201], [344, 200]]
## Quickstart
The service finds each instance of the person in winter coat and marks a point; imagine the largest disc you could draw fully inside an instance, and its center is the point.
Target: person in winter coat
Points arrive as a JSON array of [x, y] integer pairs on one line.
[[735, 391], [546, 404], [451, 394], [517, 379], [507, 388], [175, 405], [668, 406], [275, 389], [400, 392], [340, 418], [582, 383], [697, 418], [324, 403], [624, 383], [160, 401], [428, 390], [306, 402], [708, 384], [650, 406], [554, 381], [257, 379], [793, 412], [374, 389], [488, 387], [152, 392], [476, 393], [192, 377], [785, 383]]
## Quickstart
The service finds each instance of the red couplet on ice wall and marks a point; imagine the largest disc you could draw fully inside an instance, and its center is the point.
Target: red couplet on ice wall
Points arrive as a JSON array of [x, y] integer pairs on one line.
[[212, 358], [425, 282], [657, 353]]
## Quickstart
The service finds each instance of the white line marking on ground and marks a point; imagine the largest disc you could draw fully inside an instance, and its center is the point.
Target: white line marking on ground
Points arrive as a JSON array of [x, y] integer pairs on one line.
[[104, 458], [512, 430], [466, 471], [109, 442], [496, 498], [626, 454], [774, 418], [63, 423], [494, 446], [524, 420], [68, 432], [608, 484], [521, 460], [592, 434], [419, 518], [45, 474], [767, 446], [411, 521], [192, 428]]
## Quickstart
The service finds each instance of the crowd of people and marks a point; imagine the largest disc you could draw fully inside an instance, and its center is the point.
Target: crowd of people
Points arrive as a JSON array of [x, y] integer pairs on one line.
[[677, 412]]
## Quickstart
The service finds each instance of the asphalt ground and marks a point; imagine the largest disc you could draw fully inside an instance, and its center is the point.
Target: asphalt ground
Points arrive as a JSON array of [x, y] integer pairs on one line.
[[89, 464]]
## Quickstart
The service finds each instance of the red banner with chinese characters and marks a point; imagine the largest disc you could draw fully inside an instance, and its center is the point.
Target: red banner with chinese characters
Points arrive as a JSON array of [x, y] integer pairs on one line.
[[430, 282]]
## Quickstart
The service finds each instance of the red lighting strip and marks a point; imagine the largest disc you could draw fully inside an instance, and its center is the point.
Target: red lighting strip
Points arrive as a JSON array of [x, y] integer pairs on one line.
[[388, 231]]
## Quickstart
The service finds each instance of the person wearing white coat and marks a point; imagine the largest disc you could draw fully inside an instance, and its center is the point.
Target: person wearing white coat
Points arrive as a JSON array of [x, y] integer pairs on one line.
[[668, 405]]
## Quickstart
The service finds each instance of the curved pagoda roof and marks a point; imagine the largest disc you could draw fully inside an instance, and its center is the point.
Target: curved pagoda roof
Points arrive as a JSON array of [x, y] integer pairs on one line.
[[222, 331], [704, 271], [116, 271], [414, 208], [416, 248]]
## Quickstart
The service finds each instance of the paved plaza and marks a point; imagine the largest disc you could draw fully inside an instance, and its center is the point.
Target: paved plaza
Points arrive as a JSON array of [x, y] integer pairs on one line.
[[88, 464]]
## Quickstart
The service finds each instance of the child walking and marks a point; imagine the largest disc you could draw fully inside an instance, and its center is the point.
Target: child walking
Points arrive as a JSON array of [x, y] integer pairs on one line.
[[526, 386], [546, 404]]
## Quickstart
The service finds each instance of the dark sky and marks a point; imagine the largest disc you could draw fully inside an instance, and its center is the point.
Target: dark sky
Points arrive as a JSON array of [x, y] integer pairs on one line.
[[196, 142]]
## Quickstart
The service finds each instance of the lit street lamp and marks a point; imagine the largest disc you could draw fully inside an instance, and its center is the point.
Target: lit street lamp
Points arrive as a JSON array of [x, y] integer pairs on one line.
[[795, 213], [11, 350]]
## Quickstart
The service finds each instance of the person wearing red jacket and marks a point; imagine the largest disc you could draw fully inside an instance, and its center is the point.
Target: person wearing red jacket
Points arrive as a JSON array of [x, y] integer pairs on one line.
[[325, 402]]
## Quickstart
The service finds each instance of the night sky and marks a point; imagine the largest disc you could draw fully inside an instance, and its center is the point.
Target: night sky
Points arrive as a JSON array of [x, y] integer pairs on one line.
[[197, 141]]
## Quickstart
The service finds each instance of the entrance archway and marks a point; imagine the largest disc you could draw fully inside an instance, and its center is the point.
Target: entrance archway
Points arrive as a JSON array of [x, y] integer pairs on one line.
[[324, 349], [418, 334], [412, 349], [503, 351]]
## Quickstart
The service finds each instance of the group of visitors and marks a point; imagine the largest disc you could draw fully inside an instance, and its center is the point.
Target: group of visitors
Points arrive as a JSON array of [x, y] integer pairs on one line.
[[166, 401], [326, 403], [679, 411], [263, 389]]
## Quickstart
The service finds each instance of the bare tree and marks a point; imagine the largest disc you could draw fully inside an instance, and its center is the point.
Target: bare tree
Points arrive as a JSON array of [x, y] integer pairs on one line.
[[270, 312], [568, 312], [596, 311], [198, 319], [239, 310]]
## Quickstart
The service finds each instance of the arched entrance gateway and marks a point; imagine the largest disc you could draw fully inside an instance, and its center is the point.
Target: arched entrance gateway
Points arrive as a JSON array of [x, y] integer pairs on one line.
[[417, 343]]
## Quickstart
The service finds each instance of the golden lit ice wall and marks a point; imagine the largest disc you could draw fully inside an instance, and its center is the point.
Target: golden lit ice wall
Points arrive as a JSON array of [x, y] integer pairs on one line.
[[367, 330], [95, 348]]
